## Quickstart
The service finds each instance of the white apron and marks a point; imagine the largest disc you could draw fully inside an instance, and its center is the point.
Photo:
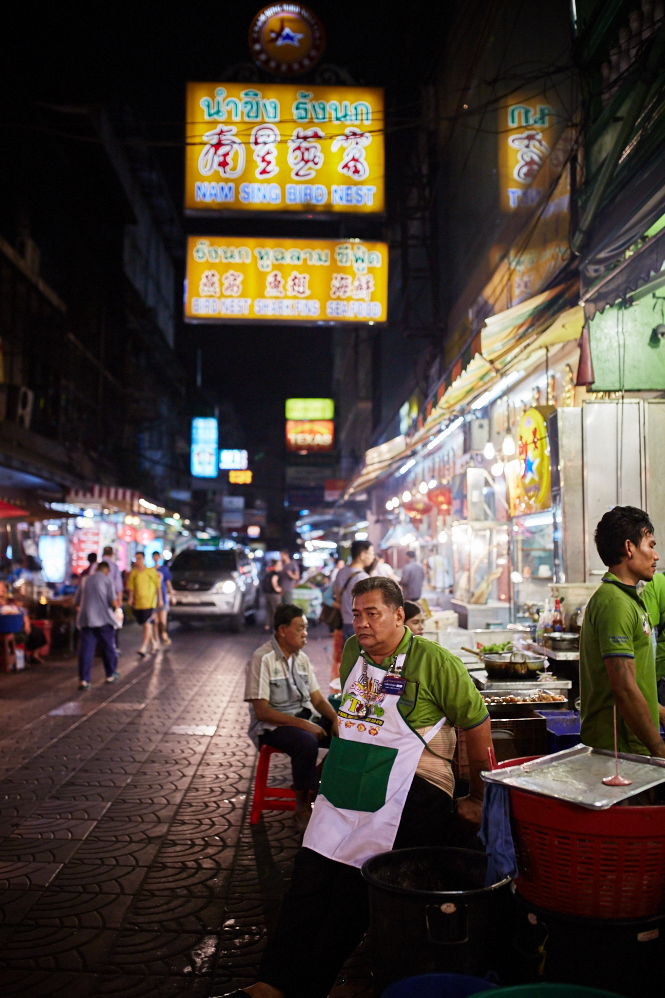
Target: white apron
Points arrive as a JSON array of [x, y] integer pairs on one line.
[[368, 771]]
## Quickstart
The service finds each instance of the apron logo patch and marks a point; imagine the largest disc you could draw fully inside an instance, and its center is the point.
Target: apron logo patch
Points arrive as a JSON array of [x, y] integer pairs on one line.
[[645, 626], [363, 704]]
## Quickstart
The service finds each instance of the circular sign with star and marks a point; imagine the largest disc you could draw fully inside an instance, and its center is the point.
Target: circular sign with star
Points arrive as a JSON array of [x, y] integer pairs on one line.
[[534, 453], [286, 39]]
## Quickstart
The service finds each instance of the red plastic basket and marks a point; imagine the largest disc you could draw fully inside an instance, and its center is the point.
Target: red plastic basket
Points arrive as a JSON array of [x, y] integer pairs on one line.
[[593, 864]]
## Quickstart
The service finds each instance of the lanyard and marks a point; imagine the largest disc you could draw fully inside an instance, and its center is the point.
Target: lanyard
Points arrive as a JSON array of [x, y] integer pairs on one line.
[[396, 674]]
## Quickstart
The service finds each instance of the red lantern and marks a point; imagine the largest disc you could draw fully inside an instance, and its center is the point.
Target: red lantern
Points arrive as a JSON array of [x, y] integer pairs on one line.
[[126, 533], [442, 497], [144, 536], [417, 507]]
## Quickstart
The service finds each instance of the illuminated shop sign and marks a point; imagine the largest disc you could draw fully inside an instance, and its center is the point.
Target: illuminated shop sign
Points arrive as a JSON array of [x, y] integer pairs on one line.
[[313, 436], [284, 147], [233, 460], [528, 130], [310, 409], [204, 448], [286, 39], [240, 477], [231, 279]]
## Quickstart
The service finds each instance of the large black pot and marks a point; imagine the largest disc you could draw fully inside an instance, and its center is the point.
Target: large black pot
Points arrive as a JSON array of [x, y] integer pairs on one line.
[[431, 912]]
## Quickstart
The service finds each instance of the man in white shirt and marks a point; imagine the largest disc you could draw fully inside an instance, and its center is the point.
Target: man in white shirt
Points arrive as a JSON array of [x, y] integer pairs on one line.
[[362, 556], [287, 708]]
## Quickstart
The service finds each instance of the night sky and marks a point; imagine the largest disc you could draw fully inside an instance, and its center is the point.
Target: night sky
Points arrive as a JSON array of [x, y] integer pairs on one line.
[[142, 54]]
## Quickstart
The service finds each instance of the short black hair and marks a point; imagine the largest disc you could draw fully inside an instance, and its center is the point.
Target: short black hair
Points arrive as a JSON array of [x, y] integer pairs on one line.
[[618, 525], [411, 554], [108, 550], [92, 557], [390, 591], [103, 565], [285, 613], [411, 610], [358, 547]]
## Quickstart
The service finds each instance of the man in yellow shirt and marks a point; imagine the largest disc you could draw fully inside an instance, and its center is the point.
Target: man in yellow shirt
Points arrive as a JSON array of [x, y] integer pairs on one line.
[[145, 593]]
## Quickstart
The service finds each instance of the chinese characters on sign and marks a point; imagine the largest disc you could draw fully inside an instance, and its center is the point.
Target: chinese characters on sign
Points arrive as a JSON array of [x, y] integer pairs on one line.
[[528, 477], [284, 148], [240, 477], [528, 130], [233, 460], [308, 280], [311, 436]]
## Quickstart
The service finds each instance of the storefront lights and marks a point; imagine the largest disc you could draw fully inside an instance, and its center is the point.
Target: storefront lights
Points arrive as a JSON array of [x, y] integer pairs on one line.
[[489, 451], [395, 502], [361, 535], [443, 537], [497, 469], [432, 483], [406, 496], [498, 389], [422, 488], [389, 504], [508, 447]]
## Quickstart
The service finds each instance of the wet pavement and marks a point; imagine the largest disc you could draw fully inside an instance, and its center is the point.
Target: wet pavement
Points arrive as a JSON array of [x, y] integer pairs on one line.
[[127, 863]]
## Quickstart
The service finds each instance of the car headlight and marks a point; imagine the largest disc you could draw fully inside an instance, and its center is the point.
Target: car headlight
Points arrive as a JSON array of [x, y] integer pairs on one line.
[[227, 587]]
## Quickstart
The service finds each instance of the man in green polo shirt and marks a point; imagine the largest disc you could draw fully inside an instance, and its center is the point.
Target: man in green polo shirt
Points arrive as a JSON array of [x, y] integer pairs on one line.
[[386, 783], [616, 652]]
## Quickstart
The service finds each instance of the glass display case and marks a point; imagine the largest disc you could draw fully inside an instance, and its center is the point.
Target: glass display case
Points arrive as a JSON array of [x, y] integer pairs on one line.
[[533, 561]]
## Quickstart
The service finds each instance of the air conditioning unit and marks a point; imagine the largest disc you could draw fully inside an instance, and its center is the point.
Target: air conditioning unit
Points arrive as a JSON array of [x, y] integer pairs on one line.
[[476, 435], [19, 404]]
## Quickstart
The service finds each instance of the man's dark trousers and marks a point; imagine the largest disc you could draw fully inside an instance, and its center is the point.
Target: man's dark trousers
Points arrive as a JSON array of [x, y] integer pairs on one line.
[[303, 748], [325, 912], [87, 641]]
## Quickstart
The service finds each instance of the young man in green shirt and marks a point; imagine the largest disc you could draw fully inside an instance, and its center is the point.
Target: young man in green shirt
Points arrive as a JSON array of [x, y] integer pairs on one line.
[[616, 652]]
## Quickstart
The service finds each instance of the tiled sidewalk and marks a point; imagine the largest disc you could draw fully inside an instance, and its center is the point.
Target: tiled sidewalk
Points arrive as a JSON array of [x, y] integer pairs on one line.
[[127, 863]]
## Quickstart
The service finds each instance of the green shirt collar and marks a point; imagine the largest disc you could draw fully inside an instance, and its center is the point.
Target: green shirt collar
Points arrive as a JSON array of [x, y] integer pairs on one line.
[[630, 590], [402, 647]]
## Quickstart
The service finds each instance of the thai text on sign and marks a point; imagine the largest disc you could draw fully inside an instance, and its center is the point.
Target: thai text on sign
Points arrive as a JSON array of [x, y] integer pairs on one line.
[[529, 129], [309, 280], [284, 147]]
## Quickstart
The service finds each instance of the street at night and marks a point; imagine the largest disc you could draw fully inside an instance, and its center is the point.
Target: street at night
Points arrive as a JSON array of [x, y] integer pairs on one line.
[[332, 499]]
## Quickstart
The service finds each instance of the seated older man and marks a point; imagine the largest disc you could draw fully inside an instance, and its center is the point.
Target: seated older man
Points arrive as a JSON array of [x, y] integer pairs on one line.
[[387, 783], [287, 708]]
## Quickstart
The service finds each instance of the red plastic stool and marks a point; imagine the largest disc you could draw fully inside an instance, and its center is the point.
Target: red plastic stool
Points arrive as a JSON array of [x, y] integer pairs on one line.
[[269, 798]]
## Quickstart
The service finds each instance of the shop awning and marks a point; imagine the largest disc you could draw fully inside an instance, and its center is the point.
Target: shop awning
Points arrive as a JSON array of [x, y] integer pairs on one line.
[[378, 461], [627, 277], [8, 511], [127, 500]]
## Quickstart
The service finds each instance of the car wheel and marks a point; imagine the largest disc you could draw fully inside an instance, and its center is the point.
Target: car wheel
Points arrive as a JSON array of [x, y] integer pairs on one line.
[[236, 622]]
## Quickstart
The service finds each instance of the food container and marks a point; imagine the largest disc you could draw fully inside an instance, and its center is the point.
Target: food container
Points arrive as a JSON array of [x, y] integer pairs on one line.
[[562, 641], [512, 666]]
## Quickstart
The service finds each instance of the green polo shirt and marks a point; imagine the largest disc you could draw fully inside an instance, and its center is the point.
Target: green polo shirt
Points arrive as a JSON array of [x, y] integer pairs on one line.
[[653, 595], [437, 684], [616, 623]]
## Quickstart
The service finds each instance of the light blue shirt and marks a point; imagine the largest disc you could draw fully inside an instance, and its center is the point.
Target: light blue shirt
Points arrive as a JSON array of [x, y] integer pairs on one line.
[[115, 575]]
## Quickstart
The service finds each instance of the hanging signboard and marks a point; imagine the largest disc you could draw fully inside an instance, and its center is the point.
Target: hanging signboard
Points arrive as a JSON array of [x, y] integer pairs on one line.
[[528, 477], [529, 127], [284, 147], [248, 279], [310, 409], [311, 436], [286, 39], [204, 447]]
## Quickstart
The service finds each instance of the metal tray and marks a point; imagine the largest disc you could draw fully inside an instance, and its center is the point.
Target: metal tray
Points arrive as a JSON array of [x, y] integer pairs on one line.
[[576, 776], [525, 685]]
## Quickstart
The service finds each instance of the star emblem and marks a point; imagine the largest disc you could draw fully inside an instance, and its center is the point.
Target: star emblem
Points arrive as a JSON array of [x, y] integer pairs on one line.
[[288, 37], [530, 469]]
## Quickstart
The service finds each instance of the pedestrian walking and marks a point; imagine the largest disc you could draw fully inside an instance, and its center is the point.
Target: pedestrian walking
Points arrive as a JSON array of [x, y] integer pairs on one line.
[[97, 601], [271, 591], [381, 569], [362, 556], [162, 615], [413, 574], [92, 566], [145, 596], [288, 577]]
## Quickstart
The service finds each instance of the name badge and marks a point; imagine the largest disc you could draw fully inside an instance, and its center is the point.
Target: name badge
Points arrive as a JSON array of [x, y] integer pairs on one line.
[[393, 685]]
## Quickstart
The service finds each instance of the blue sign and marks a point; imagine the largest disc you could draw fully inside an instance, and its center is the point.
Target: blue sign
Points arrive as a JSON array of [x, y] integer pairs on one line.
[[204, 448]]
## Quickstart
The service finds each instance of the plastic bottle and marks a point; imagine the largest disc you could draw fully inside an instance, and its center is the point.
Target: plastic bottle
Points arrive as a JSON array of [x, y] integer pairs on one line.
[[557, 617], [539, 625], [547, 618]]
